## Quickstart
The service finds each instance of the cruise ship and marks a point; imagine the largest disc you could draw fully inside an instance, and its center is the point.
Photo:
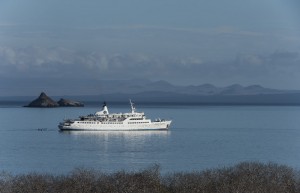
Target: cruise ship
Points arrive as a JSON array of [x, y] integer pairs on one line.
[[104, 121]]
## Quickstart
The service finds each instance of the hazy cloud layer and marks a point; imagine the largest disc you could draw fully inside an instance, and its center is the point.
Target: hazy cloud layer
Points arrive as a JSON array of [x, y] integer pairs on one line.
[[67, 65], [52, 62]]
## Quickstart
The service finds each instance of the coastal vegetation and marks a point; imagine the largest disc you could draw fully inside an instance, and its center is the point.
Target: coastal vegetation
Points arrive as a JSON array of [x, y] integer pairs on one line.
[[246, 177]]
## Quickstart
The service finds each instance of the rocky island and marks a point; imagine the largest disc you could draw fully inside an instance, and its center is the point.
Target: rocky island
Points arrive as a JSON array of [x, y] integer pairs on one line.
[[69, 103], [43, 101]]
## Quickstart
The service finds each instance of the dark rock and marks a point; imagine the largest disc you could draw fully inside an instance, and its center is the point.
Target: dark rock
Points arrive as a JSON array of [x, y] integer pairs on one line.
[[69, 103], [43, 101]]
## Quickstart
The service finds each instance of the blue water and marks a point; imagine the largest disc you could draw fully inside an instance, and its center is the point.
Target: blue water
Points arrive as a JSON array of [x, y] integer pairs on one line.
[[200, 137]]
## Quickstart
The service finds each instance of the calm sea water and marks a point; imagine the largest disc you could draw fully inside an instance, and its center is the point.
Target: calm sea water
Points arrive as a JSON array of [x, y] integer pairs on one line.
[[200, 137]]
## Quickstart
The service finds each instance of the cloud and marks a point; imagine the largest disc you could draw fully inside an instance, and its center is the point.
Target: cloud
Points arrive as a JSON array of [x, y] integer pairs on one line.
[[63, 64], [54, 61], [277, 59], [284, 58]]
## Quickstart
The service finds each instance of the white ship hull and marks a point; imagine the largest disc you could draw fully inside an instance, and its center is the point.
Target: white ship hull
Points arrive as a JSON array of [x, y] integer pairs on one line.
[[103, 121], [98, 126]]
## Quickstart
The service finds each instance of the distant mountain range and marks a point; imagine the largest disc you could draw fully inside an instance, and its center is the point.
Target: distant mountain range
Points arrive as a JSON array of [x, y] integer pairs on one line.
[[141, 86], [145, 91]]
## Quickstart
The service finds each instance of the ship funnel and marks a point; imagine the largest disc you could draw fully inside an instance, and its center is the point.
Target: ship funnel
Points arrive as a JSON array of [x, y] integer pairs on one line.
[[104, 110]]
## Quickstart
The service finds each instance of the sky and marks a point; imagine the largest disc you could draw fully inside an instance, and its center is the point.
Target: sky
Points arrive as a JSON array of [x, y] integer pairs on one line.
[[52, 44]]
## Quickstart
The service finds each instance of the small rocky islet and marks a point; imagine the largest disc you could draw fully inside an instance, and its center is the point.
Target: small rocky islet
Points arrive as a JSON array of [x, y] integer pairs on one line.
[[44, 101]]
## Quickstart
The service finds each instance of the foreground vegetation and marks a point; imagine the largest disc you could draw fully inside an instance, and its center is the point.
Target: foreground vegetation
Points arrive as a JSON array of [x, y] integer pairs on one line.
[[246, 177]]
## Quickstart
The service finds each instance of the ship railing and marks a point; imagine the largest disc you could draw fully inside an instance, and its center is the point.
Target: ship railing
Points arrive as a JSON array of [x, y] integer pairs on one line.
[[159, 120]]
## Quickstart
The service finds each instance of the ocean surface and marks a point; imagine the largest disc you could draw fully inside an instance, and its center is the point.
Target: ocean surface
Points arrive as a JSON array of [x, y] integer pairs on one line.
[[200, 137]]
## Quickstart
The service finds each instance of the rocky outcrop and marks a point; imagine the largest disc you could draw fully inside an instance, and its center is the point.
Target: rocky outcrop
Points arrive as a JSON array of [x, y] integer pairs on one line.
[[43, 101], [69, 103]]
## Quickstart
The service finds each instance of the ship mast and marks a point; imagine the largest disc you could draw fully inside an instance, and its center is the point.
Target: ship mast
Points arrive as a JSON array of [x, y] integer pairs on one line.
[[132, 106]]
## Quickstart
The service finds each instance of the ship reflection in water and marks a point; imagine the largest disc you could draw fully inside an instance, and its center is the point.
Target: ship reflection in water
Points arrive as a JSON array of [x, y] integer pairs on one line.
[[120, 146], [142, 134], [111, 151]]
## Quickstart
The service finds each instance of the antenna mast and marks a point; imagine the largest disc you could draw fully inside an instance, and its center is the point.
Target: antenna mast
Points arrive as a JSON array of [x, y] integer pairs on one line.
[[132, 106]]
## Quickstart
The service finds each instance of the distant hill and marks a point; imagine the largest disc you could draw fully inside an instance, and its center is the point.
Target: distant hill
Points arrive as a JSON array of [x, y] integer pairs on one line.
[[205, 94], [146, 91], [175, 98], [141, 86], [43, 101]]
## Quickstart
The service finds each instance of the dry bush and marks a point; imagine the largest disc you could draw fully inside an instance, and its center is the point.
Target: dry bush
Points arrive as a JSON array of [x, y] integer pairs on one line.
[[257, 177], [246, 177], [33, 182], [79, 181], [191, 182], [146, 181], [5, 182]]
